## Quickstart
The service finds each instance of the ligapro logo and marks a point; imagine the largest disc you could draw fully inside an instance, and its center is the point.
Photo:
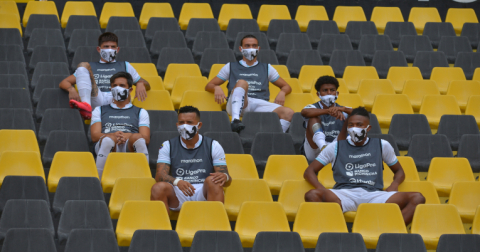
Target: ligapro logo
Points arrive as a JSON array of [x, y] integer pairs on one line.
[[180, 171]]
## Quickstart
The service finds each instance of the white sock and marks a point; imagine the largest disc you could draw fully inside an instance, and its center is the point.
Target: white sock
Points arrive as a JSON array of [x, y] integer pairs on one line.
[[84, 84], [106, 147], [285, 125], [140, 146], [238, 99], [319, 139]]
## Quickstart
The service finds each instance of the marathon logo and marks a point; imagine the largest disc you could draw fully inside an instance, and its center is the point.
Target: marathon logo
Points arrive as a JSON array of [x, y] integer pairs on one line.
[[107, 70], [360, 155], [249, 74], [119, 117], [189, 161]]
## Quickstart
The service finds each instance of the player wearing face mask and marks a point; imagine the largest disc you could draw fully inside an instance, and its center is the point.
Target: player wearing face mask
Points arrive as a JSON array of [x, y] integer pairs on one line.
[[190, 167], [323, 120], [119, 126]]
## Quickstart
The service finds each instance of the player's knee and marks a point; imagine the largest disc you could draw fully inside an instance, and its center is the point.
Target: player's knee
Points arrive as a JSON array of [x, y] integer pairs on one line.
[[134, 137], [313, 196], [242, 83], [212, 185], [285, 113], [107, 142], [84, 64], [417, 198], [160, 189]]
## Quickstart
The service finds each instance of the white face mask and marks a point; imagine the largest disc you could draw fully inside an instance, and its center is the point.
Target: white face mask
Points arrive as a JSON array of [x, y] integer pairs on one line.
[[357, 134], [108, 54], [187, 131], [249, 53], [328, 100], [120, 93]]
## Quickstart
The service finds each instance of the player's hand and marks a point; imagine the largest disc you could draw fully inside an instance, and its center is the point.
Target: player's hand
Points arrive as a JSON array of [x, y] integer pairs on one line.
[[280, 99], [337, 112], [73, 94], [140, 92], [186, 188], [219, 178], [220, 97], [393, 187], [120, 137]]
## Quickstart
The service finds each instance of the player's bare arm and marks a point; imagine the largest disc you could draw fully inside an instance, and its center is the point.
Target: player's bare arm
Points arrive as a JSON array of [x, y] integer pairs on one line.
[[213, 86], [311, 172], [221, 175], [142, 86], [162, 174], [285, 89], [398, 177]]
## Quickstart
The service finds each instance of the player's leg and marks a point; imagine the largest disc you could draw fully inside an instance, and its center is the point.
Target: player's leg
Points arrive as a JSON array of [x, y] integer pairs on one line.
[[285, 115], [314, 133], [238, 101], [84, 86], [316, 195], [136, 143], [407, 201], [102, 149], [212, 191], [164, 191]]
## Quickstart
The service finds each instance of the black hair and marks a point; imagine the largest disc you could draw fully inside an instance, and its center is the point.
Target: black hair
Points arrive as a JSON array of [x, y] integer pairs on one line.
[[107, 37], [326, 79], [360, 111], [189, 109], [247, 36], [122, 75]]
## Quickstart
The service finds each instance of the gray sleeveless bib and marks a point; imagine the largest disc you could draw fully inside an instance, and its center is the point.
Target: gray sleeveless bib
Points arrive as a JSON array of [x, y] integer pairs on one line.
[[256, 76], [125, 120], [331, 126], [103, 71]]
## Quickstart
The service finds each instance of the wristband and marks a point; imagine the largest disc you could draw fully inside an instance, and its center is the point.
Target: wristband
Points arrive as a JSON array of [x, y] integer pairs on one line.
[[175, 182], [228, 178]]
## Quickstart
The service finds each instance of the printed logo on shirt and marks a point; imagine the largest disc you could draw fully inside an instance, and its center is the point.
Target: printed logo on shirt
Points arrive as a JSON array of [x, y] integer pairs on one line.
[[349, 166], [361, 181], [360, 155], [107, 70], [249, 74], [119, 117], [188, 161], [328, 123], [333, 133], [180, 171]]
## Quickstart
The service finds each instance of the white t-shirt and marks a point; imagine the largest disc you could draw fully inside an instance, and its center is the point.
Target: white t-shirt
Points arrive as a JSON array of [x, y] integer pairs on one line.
[[218, 154], [329, 154], [224, 73], [144, 119], [135, 76]]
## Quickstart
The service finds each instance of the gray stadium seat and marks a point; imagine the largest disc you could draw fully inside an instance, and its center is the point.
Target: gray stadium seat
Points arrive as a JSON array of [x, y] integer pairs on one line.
[[163, 120], [262, 42], [205, 40], [83, 37], [383, 60], [76, 188], [230, 141], [297, 131], [454, 126], [13, 81], [85, 54], [91, 240], [356, 29], [156, 140], [395, 31], [291, 41], [388, 138], [21, 213], [49, 68], [400, 243], [76, 22], [343, 58], [214, 121], [11, 98], [51, 98], [83, 214], [63, 140], [11, 53], [279, 26], [425, 147], [41, 21], [122, 23], [160, 24], [265, 56], [369, 44], [134, 55], [29, 240], [458, 242], [436, 30], [215, 56], [469, 148], [23, 187], [10, 36], [258, 122], [127, 38], [170, 55], [163, 39], [13, 68], [426, 61], [297, 58], [278, 242], [411, 44], [404, 126], [216, 241], [196, 25], [472, 32], [16, 118], [331, 42], [47, 54], [155, 240], [468, 62], [46, 81], [59, 119], [340, 242], [269, 143], [375, 126], [316, 29], [45, 37], [236, 26], [451, 46]]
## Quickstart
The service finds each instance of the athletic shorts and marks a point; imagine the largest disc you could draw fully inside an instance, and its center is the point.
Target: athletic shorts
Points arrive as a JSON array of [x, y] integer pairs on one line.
[[120, 147], [254, 105], [103, 98], [197, 196], [351, 198]]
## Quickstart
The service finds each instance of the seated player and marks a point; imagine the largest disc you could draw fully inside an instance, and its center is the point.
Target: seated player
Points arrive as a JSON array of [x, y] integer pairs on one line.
[[248, 86], [119, 126], [324, 119], [93, 78], [357, 165], [190, 167]]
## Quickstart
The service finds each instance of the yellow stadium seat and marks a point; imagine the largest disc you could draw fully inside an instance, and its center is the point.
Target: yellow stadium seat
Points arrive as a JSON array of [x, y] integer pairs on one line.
[[350, 100], [39, 7], [443, 172], [18, 140], [268, 12], [233, 11], [138, 189], [434, 106], [10, 21], [369, 89], [343, 14], [20, 163], [459, 16], [256, 217], [306, 13], [473, 108], [70, 164], [373, 219], [193, 10], [466, 197], [155, 82], [137, 215], [156, 100], [241, 190], [77, 8], [298, 101], [292, 82], [417, 89], [462, 90], [382, 15], [150, 10], [385, 106], [187, 83], [145, 69], [9, 7], [408, 166], [203, 100], [175, 70], [353, 75], [241, 166], [476, 74], [476, 222], [431, 221], [115, 9], [427, 189], [213, 73], [311, 221], [282, 167], [325, 176], [444, 75], [282, 71], [421, 15], [124, 165], [309, 74], [292, 194], [213, 217], [398, 76], [342, 89]]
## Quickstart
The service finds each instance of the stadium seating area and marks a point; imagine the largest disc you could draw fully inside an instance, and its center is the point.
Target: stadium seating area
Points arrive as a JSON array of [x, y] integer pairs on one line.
[[417, 77]]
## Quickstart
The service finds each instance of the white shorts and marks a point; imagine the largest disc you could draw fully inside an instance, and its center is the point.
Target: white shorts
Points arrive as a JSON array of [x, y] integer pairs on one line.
[[351, 198], [197, 196], [254, 105], [103, 98], [310, 153], [120, 147]]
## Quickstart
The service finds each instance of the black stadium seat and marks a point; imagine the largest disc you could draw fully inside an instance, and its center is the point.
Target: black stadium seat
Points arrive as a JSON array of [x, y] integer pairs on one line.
[[85, 54], [230, 141], [340, 242], [411, 44], [170, 55], [196, 25], [11, 53], [297, 58], [160, 24], [369, 44], [156, 140], [49, 68], [265, 56], [76, 22], [215, 56], [291, 41], [458, 242], [356, 29], [469, 148], [258, 123], [76, 188], [436, 30], [277, 242], [134, 55], [59, 119], [400, 243], [164, 39], [10, 36], [47, 53], [205, 40], [16, 118], [36, 21], [214, 121], [83, 37], [342, 58], [395, 31], [13, 68], [63, 140], [45, 37], [122, 23], [472, 32], [331, 42], [236, 26], [468, 62], [11, 98], [403, 127], [375, 126], [279, 26], [91, 240], [23, 187], [162, 120], [383, 60], [152, 240], [216, 241], [268, 143], [317, 28], [46, 81], [426, 61], [127, 38], [425, 147], [51, 98], [13, 81], [451, 46], [29, 240], [454, 126], [297, 131]]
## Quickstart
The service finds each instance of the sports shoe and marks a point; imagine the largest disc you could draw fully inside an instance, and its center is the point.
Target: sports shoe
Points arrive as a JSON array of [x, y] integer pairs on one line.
[[84, 108], [237, 126]]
